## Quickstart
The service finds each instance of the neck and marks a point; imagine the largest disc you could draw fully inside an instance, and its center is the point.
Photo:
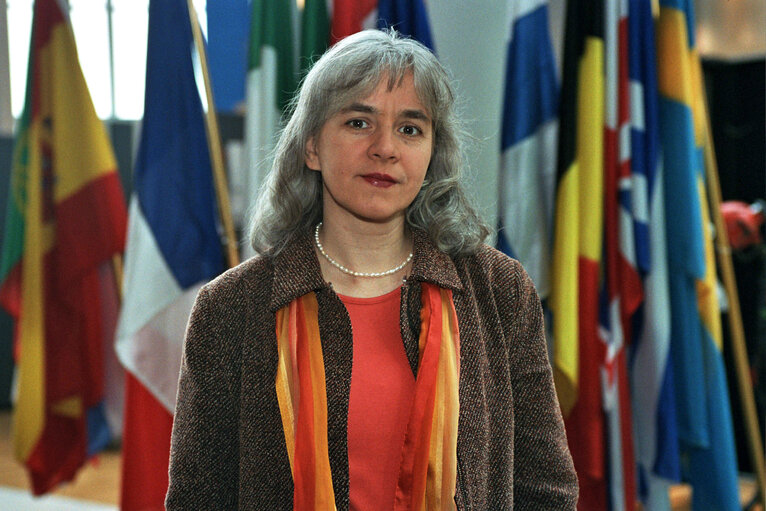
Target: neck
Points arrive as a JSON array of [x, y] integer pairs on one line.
[[368, 248], [364, 247]]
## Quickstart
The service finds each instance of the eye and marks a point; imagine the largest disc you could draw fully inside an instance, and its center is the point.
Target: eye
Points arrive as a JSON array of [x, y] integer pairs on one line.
[[410, 130], [357, 123]]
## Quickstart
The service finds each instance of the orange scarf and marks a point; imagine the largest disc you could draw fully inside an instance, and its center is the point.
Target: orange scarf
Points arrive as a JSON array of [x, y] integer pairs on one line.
[[428, 471]]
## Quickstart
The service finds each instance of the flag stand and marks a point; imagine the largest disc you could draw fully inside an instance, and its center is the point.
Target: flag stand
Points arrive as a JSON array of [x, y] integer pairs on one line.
[[736, 328], [214, 144]]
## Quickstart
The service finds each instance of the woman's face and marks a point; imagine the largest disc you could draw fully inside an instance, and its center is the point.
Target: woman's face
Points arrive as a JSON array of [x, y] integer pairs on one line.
[[373, 154]]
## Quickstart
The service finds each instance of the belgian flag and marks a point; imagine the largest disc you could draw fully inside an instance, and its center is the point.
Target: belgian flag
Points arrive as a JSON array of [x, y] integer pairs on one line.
[[578, 351]]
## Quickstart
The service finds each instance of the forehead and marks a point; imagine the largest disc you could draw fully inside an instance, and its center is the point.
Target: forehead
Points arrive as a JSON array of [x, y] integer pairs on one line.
[[400, 89]]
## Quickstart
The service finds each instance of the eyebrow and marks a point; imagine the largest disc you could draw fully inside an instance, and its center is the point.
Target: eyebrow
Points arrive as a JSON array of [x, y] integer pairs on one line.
[[414, 113]]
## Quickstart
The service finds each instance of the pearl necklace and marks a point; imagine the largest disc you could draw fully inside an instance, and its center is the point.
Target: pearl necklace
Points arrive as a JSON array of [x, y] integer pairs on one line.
[[352, 272]]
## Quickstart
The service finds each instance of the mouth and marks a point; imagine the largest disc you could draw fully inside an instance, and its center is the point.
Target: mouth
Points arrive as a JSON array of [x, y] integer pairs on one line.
[[379, 180]]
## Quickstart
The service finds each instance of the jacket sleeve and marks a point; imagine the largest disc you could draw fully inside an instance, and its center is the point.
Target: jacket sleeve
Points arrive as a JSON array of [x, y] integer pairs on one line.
[[544, 477], [204, 449]]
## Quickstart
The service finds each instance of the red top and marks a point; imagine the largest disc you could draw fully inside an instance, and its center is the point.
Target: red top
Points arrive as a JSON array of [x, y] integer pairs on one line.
[[382, 387]]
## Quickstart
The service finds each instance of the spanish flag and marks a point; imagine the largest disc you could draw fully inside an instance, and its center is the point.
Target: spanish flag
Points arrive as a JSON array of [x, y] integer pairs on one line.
[[66, 220], [578, 226]]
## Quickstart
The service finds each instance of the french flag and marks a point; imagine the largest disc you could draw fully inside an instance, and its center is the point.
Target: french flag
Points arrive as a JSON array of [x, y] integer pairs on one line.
[[173, 248]]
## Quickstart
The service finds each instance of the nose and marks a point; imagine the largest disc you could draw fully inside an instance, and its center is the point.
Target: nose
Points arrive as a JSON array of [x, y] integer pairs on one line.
[[383, 146]]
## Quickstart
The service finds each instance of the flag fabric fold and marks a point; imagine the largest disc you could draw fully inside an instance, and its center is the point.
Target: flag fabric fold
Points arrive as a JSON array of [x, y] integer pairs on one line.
[[578, 352], [272, 79], [352, 16], [621, 292], [528, 141], [173, 248], [65, 223], [408, 17], [653, 394], [315, 32], [703, 411]]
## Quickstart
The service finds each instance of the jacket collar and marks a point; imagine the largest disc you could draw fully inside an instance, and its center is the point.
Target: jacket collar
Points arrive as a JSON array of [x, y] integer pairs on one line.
[[297, 271], [429, 264]]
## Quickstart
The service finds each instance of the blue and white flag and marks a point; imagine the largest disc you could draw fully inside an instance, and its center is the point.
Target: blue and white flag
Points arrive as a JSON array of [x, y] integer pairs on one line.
[[173, 246], [530, 127], [651, 376]]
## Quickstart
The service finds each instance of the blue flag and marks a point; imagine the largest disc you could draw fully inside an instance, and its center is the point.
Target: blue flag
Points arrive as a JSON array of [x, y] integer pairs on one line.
[[228, 24], [529, 133], [408, 17], [172, 177]]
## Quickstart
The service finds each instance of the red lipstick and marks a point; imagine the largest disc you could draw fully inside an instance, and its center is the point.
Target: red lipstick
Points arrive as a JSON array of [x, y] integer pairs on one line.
[[379, 180]]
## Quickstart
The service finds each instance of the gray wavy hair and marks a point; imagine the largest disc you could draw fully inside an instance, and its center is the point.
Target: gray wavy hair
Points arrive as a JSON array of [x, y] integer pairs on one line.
[[291, 198]]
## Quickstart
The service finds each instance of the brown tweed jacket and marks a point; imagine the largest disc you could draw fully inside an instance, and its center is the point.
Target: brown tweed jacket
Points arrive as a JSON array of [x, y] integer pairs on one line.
[[228, 449]]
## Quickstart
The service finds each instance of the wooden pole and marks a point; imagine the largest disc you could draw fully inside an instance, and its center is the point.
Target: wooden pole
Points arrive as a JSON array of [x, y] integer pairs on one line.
[[736, 329], [117, 268], [214, 143]]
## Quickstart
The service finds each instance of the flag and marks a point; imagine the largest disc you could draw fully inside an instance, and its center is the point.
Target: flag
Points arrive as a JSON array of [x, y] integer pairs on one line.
[[621, 292], [352, 16], [173, 248], [315, 32], [703, 412], [65, 222], [271, 83], [651, 376], [528, 141], [408, 17], [227, 29], [578, 352]]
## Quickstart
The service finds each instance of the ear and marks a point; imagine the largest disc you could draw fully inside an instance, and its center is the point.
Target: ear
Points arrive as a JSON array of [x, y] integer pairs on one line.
[[312, 157]]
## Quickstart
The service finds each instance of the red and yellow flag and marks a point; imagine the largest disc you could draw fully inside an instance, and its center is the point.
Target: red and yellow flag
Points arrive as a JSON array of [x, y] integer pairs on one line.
[[66, 220]]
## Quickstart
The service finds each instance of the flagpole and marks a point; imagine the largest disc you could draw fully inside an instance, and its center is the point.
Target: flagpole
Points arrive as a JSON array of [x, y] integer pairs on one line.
[[214, 142], [736, 329], [117, 269]]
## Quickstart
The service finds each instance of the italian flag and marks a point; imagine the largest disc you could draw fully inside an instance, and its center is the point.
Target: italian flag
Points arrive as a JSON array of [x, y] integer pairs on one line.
[[271, 82]]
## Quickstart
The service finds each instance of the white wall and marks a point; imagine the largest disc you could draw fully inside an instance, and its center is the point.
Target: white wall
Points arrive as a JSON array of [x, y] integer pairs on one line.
[[470, 41]]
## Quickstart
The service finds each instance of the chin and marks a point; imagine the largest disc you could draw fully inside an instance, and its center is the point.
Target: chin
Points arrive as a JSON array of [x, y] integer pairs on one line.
[[380, 217]]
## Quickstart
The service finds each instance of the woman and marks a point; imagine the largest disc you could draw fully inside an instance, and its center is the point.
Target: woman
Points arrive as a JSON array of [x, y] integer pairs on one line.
[[377, 355]]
